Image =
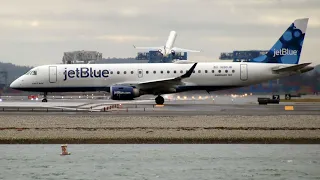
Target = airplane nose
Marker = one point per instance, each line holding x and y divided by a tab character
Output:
14	84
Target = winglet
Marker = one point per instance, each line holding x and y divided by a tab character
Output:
188	74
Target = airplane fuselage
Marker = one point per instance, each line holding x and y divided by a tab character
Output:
100	77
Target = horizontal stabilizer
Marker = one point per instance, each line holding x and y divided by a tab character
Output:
148	48
176	49
306	69
291	68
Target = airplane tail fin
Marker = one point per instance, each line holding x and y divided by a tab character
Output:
288	48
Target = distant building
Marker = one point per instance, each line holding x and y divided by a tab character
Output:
83	57
3	81
120	60
93	57
157	57
238	56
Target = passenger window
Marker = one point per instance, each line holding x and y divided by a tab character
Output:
154	72
118	72
161	72
111	72
233	71
205	71
199	71
174	71
181	71
131	72
125	72
212	71
219	71
226	71
168	72
147	72
193	71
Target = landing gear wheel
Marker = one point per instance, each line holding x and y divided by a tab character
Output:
159	100
45	97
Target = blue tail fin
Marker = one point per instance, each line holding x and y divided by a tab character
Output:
288	48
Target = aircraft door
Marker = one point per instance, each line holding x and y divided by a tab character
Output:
140	73
52	74
243	72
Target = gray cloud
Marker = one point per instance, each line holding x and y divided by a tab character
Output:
37	32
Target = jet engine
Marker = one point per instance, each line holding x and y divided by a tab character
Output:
173	52
124	92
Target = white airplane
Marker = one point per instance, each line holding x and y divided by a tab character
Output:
168	48
128	81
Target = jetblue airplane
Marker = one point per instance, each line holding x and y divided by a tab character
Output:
168	48
128	81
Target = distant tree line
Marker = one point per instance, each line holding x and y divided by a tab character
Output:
13	71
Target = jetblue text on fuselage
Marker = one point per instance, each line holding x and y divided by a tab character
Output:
284	51
84	72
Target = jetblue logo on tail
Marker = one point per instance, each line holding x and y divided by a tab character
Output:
284	51
288	48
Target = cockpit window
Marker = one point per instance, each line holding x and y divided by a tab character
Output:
31	73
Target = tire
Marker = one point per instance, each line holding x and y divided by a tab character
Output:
159	100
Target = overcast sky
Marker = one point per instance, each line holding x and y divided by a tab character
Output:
36	32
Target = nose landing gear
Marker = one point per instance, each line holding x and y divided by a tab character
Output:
45	97
159	100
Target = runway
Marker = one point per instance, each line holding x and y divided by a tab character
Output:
244	106
210	120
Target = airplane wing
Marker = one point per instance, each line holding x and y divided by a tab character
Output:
148	48
166	83
161	84
176	49
293	68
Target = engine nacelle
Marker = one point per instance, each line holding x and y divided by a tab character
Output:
123	92
173	52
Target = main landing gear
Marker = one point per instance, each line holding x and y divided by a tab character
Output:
45	97
159	100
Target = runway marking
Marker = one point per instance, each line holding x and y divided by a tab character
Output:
288	108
